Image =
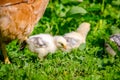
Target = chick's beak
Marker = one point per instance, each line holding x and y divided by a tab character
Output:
65	47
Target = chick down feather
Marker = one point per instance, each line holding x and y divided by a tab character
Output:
76	38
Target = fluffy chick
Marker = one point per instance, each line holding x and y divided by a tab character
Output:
115	38
60	42
42	44
75	38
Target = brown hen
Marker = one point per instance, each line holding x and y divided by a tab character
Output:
17	20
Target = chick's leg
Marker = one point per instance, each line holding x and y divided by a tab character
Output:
4	52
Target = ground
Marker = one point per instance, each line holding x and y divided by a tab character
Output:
88	62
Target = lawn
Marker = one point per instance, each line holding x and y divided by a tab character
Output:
88	62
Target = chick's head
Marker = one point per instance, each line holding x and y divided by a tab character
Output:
60	42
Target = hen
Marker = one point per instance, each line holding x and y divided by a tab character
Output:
17	20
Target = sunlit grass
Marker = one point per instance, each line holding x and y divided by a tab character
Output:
89	63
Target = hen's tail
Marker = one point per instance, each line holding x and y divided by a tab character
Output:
83	29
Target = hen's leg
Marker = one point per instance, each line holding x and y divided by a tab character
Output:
22	45
4	52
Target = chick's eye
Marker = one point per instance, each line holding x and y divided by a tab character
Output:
61	44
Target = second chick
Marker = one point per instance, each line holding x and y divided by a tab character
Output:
76	38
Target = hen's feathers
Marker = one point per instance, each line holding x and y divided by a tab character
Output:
17	20
13	2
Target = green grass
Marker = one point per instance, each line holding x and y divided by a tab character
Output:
89	63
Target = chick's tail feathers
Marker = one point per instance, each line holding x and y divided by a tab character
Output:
83	29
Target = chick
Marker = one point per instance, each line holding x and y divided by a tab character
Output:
42	44
75	38
116	38
60	42
109	50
